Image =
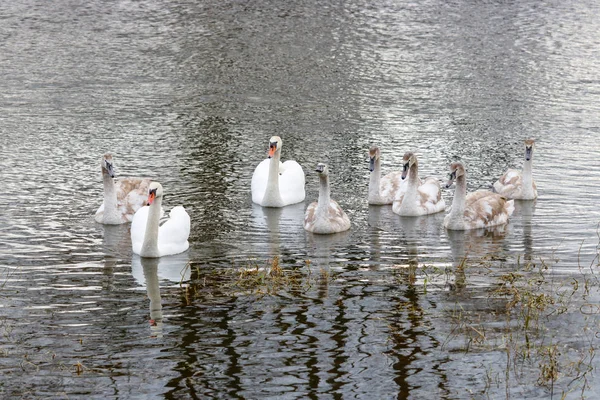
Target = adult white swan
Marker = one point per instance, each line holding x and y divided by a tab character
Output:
122	197
383	190
277	184
515	184
419	198
325	215
148	239
480	209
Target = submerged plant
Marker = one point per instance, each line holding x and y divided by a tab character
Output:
531	298
268	279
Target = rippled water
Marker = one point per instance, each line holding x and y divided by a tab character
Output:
188	93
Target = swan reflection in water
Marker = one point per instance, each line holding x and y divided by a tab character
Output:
114	240
480	243
421	241
400	240
115	247
327	251
281	228
149	272
525	210
475	244
384	226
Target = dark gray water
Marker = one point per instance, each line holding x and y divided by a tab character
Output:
189	93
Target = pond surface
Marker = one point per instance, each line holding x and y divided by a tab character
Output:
189	93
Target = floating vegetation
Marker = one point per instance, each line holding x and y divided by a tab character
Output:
533	302
268	279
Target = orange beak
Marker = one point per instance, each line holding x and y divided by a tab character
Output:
151	198
272	149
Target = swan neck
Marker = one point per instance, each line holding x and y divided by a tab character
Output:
411	189
111	212
110	193
460	196
324	195
272	194
413	176
527	172
150	245
375	180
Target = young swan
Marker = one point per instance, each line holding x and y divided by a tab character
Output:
325	215
383	190
516	184
479	209
122	197
419	198
149	238
277	184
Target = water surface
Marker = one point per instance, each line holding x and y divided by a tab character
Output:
189	95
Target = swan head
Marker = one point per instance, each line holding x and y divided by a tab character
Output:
529	144
274	145
322	169
107	165
456	170
408	161
373	156
154	190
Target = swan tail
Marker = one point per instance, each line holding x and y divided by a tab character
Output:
292	182
173	235
510	207
99	213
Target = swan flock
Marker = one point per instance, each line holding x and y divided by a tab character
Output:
278	184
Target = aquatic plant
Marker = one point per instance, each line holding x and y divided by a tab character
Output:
253	278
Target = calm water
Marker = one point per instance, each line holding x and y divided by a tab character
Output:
189	93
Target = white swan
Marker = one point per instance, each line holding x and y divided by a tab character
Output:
325	215
516	184
480	209
122	197
277	184
383	190
419	198
148	239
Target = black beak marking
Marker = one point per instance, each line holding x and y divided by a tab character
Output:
109	168
405	170
451	179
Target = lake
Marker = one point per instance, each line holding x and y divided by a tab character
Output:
189	93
